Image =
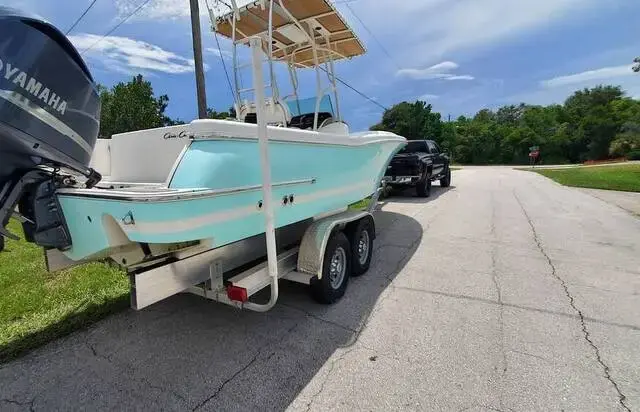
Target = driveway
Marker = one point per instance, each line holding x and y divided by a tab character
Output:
504	292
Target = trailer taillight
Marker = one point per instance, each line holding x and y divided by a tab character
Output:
237	293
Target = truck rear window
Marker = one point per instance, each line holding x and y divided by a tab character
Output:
413	147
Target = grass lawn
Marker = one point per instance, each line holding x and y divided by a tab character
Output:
361	205
622	177
37	306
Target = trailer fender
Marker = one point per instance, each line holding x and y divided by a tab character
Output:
314	241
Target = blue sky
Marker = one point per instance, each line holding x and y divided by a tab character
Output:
459	55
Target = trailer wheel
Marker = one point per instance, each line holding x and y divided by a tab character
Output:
361	236
1	243
336	269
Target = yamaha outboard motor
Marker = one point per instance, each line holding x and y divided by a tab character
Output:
49	122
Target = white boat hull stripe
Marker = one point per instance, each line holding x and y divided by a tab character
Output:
183	225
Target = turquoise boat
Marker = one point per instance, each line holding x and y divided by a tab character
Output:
214	194
180	190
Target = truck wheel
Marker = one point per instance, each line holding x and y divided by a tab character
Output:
446	180
361	237
336	269
423	189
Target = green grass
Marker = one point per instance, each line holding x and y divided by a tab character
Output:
621	177
361	205
37	306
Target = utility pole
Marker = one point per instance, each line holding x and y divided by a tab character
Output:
197	58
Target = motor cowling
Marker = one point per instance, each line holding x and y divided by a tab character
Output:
49	109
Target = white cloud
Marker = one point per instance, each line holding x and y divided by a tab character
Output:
158	9
427	97
558	92
437	71
126	55
171	9
432	29
461	77
604	73
444	66
223	54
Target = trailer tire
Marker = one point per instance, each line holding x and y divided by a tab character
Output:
1	243
361	236
336	269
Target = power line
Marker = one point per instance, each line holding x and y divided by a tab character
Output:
362	94
116	26
224	65
372	35
357	91
81	16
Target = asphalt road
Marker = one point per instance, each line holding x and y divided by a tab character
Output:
504	292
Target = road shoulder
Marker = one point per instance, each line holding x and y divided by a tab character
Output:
629	201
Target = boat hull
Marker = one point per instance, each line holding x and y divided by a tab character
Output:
218	194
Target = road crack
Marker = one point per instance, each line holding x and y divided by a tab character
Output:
229	379
585	331
496	284
316	317
240	371
19	403
531	355
326	378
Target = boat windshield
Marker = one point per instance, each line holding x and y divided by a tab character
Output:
304	106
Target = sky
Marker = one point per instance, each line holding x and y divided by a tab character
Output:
458	55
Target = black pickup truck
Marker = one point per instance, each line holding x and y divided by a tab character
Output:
418	164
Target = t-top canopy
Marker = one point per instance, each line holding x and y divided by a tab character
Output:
289	41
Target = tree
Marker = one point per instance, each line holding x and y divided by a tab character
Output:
591	124
627	141
132	106
636	67
212	114
412	120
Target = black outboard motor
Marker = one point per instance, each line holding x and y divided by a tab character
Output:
49	122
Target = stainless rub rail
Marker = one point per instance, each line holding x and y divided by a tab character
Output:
170	195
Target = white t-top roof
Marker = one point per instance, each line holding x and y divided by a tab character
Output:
319	18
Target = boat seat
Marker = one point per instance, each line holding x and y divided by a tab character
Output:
305	121
251	118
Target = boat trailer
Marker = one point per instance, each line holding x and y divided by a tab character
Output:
233	273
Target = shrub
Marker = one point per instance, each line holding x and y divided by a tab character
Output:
634	155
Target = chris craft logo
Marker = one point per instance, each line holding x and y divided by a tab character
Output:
182	135
30	84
